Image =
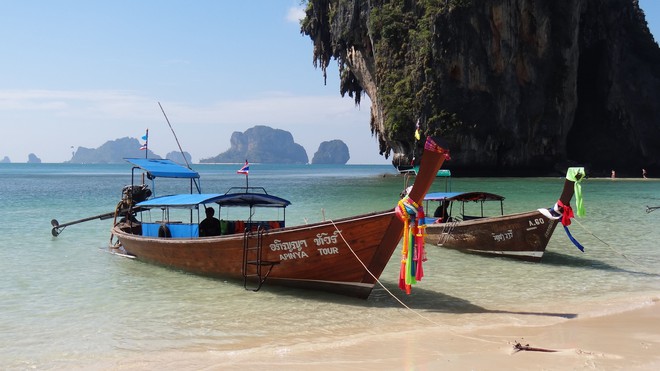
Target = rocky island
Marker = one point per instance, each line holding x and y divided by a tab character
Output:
332	152
262	144
113	151
517	87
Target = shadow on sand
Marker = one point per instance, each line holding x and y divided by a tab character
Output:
559	259
419	300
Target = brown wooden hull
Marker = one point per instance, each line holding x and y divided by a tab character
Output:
520	236
345	256
311	256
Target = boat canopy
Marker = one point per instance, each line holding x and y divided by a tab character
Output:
179	201
251	199
163	168
228	199
462	196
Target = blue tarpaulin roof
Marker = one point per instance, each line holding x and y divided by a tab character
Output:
163	168
182	200
231	199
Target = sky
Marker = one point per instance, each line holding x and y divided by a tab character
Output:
78	73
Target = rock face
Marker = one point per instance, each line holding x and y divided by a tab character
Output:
178	157
515	86
33	159
113	151
332	152
262	144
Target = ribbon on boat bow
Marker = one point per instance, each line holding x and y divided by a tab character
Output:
566	215
575	175
412	252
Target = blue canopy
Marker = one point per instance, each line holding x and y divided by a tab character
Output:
181	200
231	199
163	168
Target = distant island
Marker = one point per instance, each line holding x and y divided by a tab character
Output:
332	152
179	158
111	152
262	144
33	159
259	144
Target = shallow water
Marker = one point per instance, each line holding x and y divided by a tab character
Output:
66	303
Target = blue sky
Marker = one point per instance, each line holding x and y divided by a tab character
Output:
79	73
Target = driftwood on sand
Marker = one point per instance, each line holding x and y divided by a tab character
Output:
519	347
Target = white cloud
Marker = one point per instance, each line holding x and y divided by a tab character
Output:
58	119
295	14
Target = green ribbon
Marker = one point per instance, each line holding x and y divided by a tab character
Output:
575	175
410	277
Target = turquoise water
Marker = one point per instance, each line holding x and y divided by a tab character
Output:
66	303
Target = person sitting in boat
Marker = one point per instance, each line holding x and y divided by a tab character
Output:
441	212
210	226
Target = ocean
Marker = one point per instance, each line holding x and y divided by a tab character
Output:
65	303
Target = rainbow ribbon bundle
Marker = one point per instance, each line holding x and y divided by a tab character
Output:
412	253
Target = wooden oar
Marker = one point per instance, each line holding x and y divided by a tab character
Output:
57	227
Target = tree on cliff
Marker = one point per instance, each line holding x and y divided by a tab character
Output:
516	86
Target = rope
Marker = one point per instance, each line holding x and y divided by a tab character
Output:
396	298
376	278
608	245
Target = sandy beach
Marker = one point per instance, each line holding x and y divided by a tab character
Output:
79	308
627	340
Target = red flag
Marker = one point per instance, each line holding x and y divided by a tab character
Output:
245	169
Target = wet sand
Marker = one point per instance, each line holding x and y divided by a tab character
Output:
627	340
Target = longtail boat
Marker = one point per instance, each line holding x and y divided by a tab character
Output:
523	236
344	256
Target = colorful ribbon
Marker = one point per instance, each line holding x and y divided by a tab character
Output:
412	252
575	175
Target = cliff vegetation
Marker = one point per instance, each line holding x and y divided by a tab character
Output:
516	86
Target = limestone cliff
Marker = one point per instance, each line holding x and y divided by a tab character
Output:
262	144
179	158
112	151
516	86
332	152
33	159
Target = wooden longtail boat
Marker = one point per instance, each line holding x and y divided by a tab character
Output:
521	236
344	256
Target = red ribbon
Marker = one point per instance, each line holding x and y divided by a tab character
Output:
566	214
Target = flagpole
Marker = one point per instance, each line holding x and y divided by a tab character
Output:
245	170
146	145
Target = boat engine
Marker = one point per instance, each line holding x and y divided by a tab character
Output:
133	194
